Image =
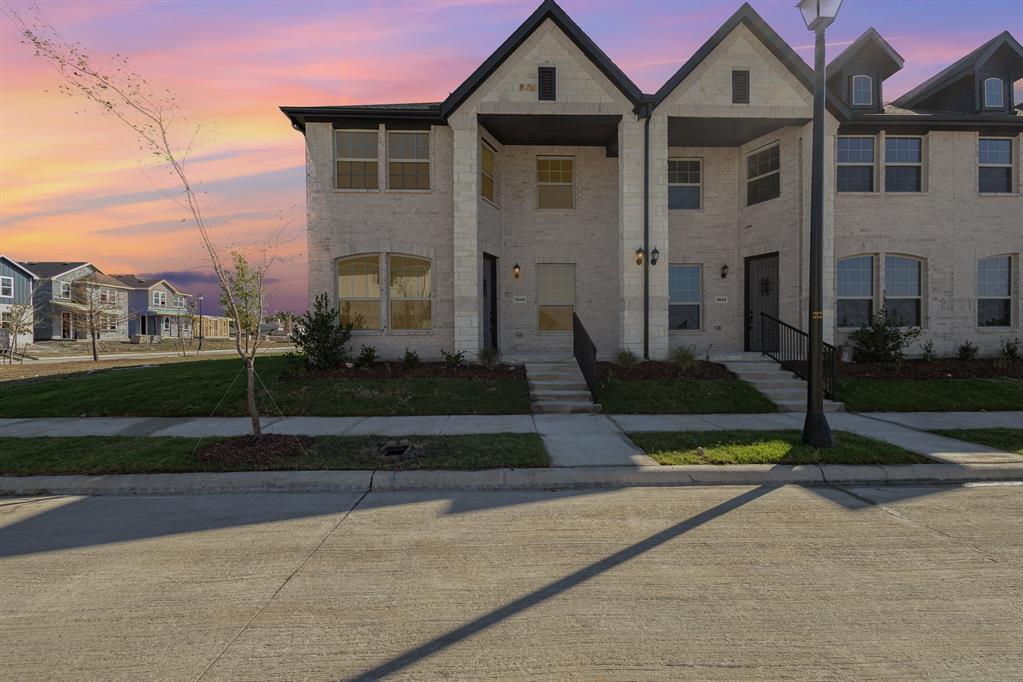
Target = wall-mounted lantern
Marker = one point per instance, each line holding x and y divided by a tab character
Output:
640	255
516	271
724	271
654	256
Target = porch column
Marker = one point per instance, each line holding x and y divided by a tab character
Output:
658	208
630	232
465	189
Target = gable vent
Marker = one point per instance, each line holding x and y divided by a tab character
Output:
740	87
547	80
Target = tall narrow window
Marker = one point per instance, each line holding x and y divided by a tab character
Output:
65	289
409	293
557	296
902	283
487	171
358	279
995	165
855	164
408	161
547	83
684	183
740	87
763	175
903	158
555	182
160	299
862	91
356	152
994	292
994	93
855	305
684	296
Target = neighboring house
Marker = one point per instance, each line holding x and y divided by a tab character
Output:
158	308
547	185
68	293
16	285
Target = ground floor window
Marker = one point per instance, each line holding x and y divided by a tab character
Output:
359	291
684	296
407	286
166	324
409	290
556	296
994	292
855	285
110	323
903	280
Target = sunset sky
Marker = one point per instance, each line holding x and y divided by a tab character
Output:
73	186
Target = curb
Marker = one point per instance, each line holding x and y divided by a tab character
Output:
503	479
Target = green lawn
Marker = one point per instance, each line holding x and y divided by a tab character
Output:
703	396
931	395
120	455
767	447
1006	440
193	389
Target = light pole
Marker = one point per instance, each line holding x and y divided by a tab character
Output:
200	321
818	15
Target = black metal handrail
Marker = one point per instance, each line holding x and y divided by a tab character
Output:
789	347
585	354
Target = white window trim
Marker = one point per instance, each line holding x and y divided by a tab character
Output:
1001	93
536	172
920	164
6	283
338	157
870	91
1010	165
922	297
698	185
160	299
59	293
1010	297
749	179
874	266
872	164
110	323
396	159
699	298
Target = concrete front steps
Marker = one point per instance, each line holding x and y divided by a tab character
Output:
559	388
780	386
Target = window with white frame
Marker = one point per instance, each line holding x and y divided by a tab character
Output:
6	287
488	171
166	324
408	160
903	283
994	172
6	320
64	289
903	159
409	292
556	296
862	90
160	299
179	301
994	93
358	288
684	296
855	164
110	323
106	295
555	182
763	175
684	183
994	292
356	155
855	287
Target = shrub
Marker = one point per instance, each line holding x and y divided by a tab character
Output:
489	357
927	352
1010	351
453	360
367	356
967	351
883	340
683	356
410	359
321	337
625	358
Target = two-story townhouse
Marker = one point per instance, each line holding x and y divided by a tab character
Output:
158	308
16	285
548	190
70	293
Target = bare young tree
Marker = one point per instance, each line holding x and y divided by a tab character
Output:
153	117
16	320
98	310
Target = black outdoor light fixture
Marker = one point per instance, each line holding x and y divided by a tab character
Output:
516	271
654	256
724	271
640	255
818	15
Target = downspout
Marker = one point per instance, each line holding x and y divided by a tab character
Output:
646	232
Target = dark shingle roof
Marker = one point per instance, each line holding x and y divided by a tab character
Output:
135	282
870	36
100	278
47	269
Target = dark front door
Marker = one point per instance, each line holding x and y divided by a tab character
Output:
489	294
761	295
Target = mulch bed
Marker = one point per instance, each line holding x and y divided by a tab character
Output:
397	370
653	369
933	369
254	450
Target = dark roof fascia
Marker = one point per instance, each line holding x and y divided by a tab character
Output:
874	122
958	69
869	36
548	10
771	40
19	266
299	116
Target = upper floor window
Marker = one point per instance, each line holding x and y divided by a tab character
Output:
64	289
409	292
855	164
179	301
763	175
555	182
855	304
160	298
740	87
6	287
994	292
684	295
556	296
903	278
994	172
358	286
408	157
862	91
684	183
903	158
356	153
994	93
487	171
547	83
106	295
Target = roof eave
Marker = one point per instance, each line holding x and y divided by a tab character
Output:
19	266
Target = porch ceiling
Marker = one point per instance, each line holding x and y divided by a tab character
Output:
589	130
685	131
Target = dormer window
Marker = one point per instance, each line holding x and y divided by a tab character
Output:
862	91
994	93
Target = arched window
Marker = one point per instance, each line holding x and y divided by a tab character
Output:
855	288
903	284
994	93
358	287
862	91
409	289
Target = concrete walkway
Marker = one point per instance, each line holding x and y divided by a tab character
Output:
142	355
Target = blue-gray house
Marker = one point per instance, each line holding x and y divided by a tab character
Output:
16	285
157	308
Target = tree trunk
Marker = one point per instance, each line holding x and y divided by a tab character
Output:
95	351
250	372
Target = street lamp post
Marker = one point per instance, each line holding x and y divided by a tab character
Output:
200	321
818	15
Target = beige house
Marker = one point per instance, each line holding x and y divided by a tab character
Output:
548	188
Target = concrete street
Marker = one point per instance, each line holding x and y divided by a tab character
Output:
642	583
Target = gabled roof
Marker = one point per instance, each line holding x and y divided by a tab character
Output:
136	282
961	68
19	266
100	278
51	269
548	10
870	37
772	41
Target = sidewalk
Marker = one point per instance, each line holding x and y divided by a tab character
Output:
142	355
